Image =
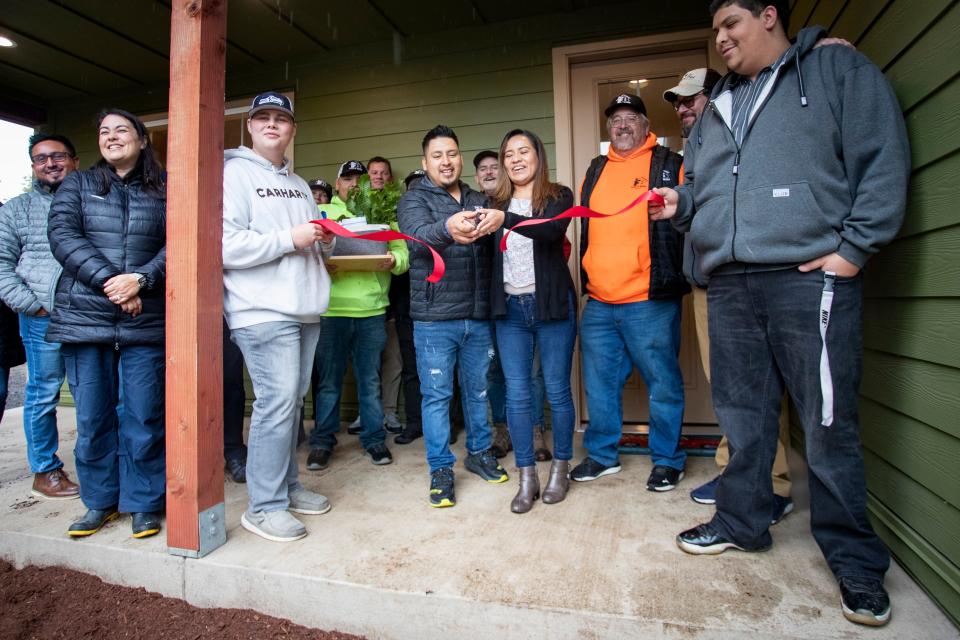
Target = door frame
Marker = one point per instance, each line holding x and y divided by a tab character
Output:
563	59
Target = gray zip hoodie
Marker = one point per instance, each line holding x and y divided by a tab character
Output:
823	167
265	278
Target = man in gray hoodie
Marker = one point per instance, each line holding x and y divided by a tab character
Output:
796	173
275	289
28	278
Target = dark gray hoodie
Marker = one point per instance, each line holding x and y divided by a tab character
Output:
823	167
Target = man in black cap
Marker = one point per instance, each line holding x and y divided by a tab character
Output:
321	190
631	269
487	165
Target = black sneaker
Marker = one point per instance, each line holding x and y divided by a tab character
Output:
441	488
781	507
864	601
410	433
236	468
318	459
664	478
379	454
485	465
704	540
355	427
590	469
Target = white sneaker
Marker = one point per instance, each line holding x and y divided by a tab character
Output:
307	502
278	526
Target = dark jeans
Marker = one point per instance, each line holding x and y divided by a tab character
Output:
363	341
764	336
408	375
120	460
517	336
234	399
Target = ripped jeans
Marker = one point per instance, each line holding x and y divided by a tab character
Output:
442	346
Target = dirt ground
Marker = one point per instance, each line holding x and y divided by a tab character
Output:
53	603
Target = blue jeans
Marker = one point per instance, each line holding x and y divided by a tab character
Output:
363	341
121	460
443	346
764	336
614	338
45	375
497	387
518	336
279	357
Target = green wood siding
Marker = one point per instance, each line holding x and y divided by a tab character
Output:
910	398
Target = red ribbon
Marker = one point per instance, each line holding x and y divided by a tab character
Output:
580	211
439	268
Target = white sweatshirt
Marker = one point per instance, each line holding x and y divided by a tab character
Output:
265	278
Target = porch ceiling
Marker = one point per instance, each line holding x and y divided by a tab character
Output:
74	49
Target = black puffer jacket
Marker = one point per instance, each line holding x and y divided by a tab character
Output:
464	292
96	237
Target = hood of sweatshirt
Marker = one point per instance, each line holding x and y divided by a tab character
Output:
648	144
246	153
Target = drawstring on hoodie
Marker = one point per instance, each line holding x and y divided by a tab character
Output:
803	94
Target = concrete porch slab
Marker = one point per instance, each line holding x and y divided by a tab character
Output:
383	564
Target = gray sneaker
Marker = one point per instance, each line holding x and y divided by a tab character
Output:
278	526
307	502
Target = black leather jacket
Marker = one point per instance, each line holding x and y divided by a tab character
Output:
96	237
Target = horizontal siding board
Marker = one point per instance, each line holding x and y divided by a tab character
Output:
918	328
932	199
934	125
899	25
856	17
800	14
825	13
923	265
927	455
935	520
422	118
929	62
317	81
922	390
516	83
481	136
936	574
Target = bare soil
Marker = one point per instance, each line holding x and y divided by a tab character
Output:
52	603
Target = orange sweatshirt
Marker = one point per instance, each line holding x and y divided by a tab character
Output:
617	260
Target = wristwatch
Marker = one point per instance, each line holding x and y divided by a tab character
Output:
141	280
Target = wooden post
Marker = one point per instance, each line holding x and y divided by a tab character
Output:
195	513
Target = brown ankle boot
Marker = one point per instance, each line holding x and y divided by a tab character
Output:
55	485
540	450
501	440
558	483
528	492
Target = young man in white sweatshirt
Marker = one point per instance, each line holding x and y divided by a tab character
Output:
275	288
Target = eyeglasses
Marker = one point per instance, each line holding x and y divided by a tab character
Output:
621	120
687	102
57	156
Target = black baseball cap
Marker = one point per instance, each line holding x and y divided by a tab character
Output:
323	185
351	166
416	174
271	100
483	155
626	100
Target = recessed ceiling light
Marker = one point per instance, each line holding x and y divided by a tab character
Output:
7	42
640	84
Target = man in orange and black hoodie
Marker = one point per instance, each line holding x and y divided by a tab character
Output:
632	270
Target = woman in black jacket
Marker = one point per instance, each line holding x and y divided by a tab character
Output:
532	302
108	230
